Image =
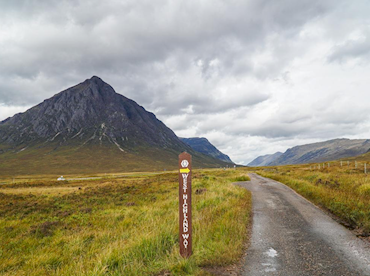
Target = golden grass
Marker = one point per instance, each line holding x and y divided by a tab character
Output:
120	226
55	191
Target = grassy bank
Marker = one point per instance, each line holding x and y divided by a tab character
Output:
343	190
126	226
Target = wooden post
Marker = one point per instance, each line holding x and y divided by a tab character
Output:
185	223
365	168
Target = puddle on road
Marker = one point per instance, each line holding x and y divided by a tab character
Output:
270	265
271	253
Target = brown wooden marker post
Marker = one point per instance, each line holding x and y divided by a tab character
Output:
185	230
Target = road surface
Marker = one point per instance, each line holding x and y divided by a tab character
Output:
292	237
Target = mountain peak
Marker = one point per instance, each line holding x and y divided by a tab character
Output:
96	80
94	87
83	109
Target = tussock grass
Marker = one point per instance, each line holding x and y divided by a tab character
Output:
121	226
344	191
242	178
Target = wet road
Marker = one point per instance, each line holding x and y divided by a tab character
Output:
292	237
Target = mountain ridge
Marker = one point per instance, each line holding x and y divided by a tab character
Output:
322	151
264	160
202	145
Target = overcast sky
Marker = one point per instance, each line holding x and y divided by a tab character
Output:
254	77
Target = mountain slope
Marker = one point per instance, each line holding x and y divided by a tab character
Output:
265	159
202	145
89	128
323	151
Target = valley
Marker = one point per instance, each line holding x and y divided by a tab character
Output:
126	223
184	138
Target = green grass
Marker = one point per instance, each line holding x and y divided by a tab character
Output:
242	178
84	160
344	191
53	158
126	226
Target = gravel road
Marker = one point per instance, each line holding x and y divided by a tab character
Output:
292	237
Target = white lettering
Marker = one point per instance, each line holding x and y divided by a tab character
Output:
185	209
186	243
185	184
185	224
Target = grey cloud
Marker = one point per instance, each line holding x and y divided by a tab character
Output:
350	50
338	118
208	104
269	130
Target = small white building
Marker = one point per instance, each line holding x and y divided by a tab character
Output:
61	178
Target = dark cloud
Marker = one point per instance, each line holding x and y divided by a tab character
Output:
57	38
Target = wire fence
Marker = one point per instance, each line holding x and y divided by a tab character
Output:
352	165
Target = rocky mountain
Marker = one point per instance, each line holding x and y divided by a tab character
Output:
264	160
89	127
323	151
202	145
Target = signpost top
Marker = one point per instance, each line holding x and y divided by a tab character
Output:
185	155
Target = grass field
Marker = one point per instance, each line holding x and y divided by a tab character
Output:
126	225
343	190
54	159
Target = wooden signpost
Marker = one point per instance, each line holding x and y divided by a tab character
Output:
185	230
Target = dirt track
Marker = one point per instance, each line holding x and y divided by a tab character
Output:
292	237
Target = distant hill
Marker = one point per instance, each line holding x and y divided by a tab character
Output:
363	157
89	128
323	151
202	145
264	160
